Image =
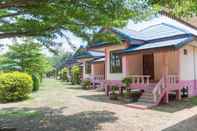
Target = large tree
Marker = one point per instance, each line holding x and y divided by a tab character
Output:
81	17
179	8
47	18
26	57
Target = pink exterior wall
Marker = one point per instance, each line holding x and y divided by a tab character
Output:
134	64
190	84
162	60
98	68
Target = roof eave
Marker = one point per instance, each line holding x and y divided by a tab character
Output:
181	44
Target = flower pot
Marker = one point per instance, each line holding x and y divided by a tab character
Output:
113	96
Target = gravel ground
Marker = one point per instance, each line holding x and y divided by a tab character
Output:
62	107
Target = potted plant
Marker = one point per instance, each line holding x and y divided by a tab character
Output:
135	95
113	94
127	81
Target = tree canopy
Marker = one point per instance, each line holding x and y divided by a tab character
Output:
48	18
26	57
179	8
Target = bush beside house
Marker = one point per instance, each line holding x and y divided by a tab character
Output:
15	86
75	74
64	74
130	94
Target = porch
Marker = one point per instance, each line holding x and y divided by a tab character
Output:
98	73
151	66
156	73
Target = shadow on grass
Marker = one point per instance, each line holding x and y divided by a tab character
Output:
185	125
175	106
47	119
102	98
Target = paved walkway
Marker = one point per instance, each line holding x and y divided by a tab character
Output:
61	107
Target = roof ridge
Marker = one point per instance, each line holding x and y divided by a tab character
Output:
164	13
179	36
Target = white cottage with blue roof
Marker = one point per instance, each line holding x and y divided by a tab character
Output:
160	59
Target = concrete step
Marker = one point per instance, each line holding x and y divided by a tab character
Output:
146	100
147	97
147	93
148	90
141	105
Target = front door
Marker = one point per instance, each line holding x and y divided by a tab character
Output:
148	65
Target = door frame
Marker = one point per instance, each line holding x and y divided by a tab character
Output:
152	64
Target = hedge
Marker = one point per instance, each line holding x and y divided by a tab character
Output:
15	86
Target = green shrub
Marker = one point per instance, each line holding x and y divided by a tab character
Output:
15	86
127	81
36	82
86	84
113	94
128	93
40	76
59	75
75	74
135	95
64	74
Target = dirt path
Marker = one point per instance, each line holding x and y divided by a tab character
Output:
61	107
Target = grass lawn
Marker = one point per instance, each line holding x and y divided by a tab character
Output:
58	106
175	106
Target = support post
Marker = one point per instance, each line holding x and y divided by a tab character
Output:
178	94
166	98
165	72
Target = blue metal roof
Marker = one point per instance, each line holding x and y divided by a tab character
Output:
154	32
178	42
96	54
153	36
121	35
99	60
84	53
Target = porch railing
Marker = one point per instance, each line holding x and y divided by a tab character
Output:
98	77
158	90
140	79
172	79
166	82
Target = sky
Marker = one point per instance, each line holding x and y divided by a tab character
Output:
158	20
77	42
131	25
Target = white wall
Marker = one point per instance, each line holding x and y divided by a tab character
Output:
85	76
113	76
188	63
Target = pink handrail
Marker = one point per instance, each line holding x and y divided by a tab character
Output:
158	90
166	82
